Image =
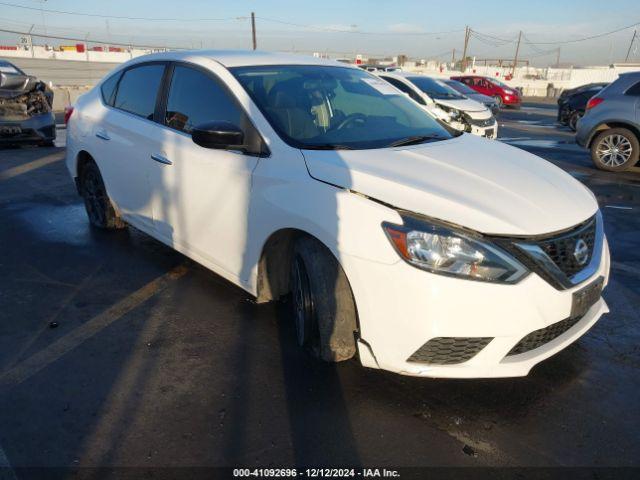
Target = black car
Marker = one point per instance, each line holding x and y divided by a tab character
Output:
572	103
26	114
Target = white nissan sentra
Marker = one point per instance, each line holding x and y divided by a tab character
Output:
418	249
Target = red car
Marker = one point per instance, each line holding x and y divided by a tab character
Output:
503	94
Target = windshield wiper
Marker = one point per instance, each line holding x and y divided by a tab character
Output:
414	140
326	146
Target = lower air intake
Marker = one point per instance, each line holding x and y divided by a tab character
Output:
544	335
449	350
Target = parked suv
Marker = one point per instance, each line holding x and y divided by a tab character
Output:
610	127
503	94
422	251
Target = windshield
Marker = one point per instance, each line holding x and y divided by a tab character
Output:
6	67
330	107
435	89
461	87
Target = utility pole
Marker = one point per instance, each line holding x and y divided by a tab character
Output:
253	30
467	32
558	58
515	59
635	34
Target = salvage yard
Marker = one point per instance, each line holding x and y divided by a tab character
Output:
118	351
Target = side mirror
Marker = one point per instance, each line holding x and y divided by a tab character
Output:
220	135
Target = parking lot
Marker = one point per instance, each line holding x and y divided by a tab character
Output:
117	351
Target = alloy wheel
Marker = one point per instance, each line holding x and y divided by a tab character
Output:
614	150
94	198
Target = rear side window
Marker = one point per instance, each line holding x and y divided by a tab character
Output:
196	98
108	89
138	90
634	90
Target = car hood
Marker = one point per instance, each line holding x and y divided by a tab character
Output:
463	104
480	184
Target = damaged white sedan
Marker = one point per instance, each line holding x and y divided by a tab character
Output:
418	250
26	115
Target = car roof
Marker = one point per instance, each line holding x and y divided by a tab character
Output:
241	58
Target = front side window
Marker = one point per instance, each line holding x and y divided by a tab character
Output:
138	90
196	98
328	107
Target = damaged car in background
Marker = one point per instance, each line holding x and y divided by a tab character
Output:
26	114
446	104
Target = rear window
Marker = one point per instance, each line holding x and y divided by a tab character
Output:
138	90
108	88
634	90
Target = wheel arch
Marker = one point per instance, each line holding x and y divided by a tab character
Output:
274	264
82	158
612	124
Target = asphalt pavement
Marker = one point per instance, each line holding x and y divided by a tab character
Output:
117	351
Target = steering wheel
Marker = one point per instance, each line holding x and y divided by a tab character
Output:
352	119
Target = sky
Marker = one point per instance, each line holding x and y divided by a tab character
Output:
421	29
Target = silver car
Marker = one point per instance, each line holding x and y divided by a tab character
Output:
610	127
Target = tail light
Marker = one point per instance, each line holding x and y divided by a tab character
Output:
594	102
68	111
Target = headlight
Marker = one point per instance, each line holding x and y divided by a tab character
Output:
443	250
453	113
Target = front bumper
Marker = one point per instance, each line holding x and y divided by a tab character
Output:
401	308
477	127
36	129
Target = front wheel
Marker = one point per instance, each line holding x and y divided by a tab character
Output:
96	201
615	150
498	100
323	308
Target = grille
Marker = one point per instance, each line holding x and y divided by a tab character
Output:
481	123
561	249
544	335
449	350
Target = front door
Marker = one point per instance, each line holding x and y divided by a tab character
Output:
201	195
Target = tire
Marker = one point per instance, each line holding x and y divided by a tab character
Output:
323	309
498	100
47	143
96	201
573	120
615	150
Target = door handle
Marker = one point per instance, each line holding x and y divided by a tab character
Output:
103	135
161	159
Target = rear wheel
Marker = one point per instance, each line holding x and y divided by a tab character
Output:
96	201
498	100
615	150
323	309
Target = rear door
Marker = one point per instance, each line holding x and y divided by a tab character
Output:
124	139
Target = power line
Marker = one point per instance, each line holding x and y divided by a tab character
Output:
119	17
106	42
587	38
357	32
